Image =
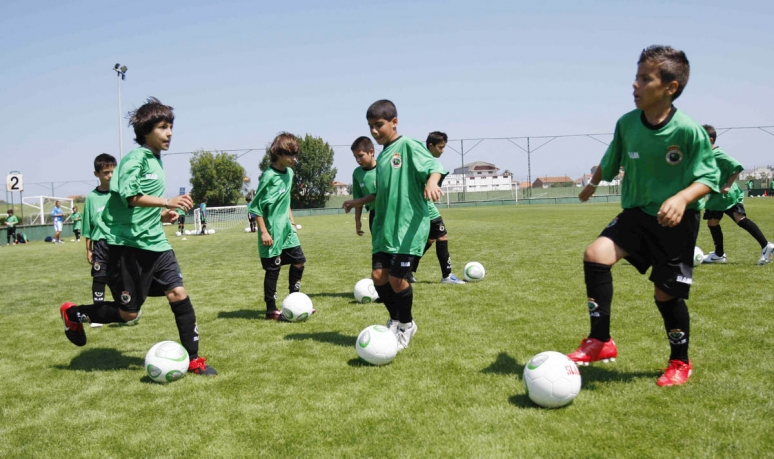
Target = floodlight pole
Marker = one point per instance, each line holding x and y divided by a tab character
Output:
120	75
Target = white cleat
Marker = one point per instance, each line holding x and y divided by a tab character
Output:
712	258
392	325
766	254
405	334
452	279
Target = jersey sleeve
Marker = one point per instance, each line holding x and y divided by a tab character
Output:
425	163
261	199
611	161
702	167
728	165
357	193
129	175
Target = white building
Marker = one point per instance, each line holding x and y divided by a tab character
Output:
459	182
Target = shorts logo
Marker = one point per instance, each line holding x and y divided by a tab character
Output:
613	222
592	305
684	280
277	261
126	297
441	228
97	267
405	264
674	156
396	161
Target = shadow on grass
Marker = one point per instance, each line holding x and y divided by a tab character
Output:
504	365
596	375
332	295
325	337
357	363
102	360
243	314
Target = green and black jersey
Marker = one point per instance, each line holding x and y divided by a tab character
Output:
92	213
140	172
272	203
728	166
364	183
77	220
659	161
401	221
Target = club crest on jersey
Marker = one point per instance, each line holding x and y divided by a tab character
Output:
126	297
674	156
396	161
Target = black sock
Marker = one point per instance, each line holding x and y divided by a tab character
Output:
98	290
185	318
750	226
677	322
599	290
294	283
442	251
403	302
717	238
105	312
270	289
387	294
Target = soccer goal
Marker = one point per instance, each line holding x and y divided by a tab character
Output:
222	218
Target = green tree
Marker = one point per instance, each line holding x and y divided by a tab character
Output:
314	173
218	177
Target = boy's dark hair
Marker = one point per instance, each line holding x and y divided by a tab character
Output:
285	144
436	137
145	118
711	132
382	110
102	161
10	212
362	143
673	65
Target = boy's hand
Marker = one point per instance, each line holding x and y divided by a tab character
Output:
671	212
359	228
266	239
169	216
725	189
433	192
181	202
347	206
586	193
89	256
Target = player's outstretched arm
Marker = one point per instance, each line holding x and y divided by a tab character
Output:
352	203
589	189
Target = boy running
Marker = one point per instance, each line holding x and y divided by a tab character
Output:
669	166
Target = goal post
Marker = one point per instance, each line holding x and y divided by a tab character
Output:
222	218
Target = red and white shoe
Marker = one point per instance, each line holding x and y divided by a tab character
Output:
676	374
594	350
73	330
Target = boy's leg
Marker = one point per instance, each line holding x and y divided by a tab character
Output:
404	298
380	269
272	267
767	248
677	323
296	259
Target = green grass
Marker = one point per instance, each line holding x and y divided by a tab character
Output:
298	390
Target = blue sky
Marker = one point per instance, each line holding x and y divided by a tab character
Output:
238	73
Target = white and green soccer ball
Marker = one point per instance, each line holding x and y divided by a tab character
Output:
166	361
210	231
376	345
473	271
551	379
297	307
178	233
365	292
698	256
187	232
247	230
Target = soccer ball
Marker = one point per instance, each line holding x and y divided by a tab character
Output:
365	292
166	361
187	232
698	256
178	233
297	307
474	271
247	230
210	231
552	379
376	345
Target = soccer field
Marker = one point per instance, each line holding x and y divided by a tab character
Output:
298	389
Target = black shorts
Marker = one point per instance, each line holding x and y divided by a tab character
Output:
181	219
250	217
437	229
11	231
718	214
100	255
136	274
291	256
399	264
668	250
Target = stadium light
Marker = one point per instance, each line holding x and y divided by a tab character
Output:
121	74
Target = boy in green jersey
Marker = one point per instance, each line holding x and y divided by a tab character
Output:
406	176
77	220
96	245
669	166
10	227
436	142
203	215
363	179
278	244
141	261
729	201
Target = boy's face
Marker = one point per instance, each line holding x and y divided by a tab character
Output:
649	90
104	175
159	138
383	131
364	158
287	160
437	149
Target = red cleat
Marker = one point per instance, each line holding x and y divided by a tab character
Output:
676	374
73	330
594	350
199	366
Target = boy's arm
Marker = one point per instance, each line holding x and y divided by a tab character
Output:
671	212
88	250
265	236
292	220
348	205
178	202
358	224
433	192
589	189
729	183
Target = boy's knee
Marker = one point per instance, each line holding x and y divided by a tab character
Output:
127	316
380	276
661	295
176	294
